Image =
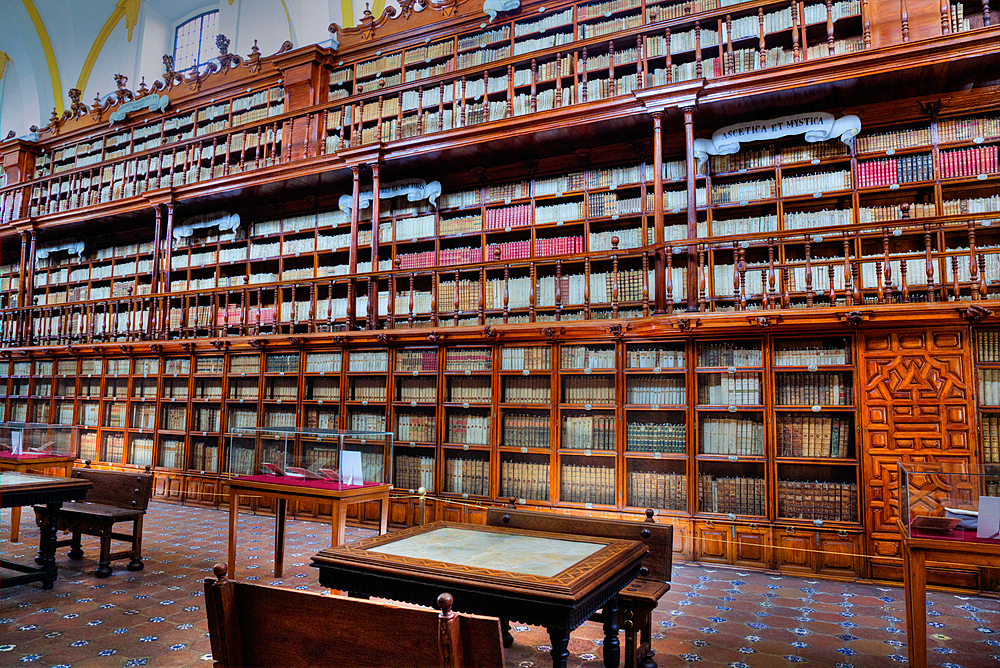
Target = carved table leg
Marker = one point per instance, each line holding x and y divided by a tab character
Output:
47	546
559	638
104	563
508	639
75	548
612	646
279	537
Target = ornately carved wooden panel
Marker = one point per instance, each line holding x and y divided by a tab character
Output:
917	406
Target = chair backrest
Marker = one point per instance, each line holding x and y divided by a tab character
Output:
122	489
258	625
659	538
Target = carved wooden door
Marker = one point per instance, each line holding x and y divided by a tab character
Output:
917	403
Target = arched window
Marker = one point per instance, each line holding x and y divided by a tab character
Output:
194	41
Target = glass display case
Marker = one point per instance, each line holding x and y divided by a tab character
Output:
325	457
24	442
946	502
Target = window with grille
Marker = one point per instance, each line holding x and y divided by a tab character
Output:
194	41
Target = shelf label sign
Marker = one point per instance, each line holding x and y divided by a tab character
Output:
414	190
816	126
151	102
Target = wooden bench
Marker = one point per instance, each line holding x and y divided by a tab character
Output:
638	600
117	496
259	625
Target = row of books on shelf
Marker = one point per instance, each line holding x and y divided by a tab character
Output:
587	484
467	476
171	453
729	354
204	456
656	437
469	429
732	436
413	472
729	389
588	432
969	162
819	388
589	390
470	359
530	390
889	171
365	421
524	480
583	357
415	427
141	451
814	436
649	489
368	389
831	501
739	495
416	360
320	418
526	430
655	390
421	390
991	439
817	353
472	390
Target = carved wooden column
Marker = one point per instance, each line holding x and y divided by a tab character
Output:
658	234
30	269
156	249
373	297
23	271
352	262
168	247
692	206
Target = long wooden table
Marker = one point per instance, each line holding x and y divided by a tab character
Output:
284	489
955	547
552	580
29	462
25	489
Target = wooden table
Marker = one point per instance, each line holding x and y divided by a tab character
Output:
552	580
25	489
32	462
919	548
284	489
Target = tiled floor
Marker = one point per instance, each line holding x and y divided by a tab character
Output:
714	617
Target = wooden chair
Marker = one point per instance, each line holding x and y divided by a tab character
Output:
258	625
638	600
117	496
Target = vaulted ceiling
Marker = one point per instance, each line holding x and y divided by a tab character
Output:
48	47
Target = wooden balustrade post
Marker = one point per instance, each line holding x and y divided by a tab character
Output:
982	276
30	267
904	289
785	299
435	288
945	17
352	261
614	277
559	289
973	264
701	277
457	303
736	275
376	214
856	295
829	28
22	276
409	317
669	64
534	85
641	62
761	32
583	77
888	266
771	297
809	273
730	65
441	107
559	80
698	71
482	295
928	263
956	285
586	288
866	22
880	288
904	21
986	13
658	230
669	282
830	273
743	278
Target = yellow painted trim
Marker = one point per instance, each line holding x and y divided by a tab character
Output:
289	19
377	8
347	13
50	56
98	45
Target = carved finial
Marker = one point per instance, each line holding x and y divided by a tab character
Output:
222	44
649	516
445	601
142	90
77	108
220	571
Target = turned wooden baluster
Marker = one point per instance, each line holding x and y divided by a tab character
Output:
645	282
904	21
559	289
856	295
614	277
982	276
288	140
736	275
829	27
731	64
225	316
785	299
456	304
277	309
761	32
399	117
559	80
701	277
435	286
534	85
743	279
880	292
866	19
669	282
945	17
809	274
973	264
904	289
796	53
441	107
888	265
928	263
669	64
509	109
312	307
640	56
531	292
482	295
583	75
956	285
586	288
506	291
611	68
769	296
329	305
986	12
848	274
697	50
833	292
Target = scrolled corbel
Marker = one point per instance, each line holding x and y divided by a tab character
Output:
976	314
